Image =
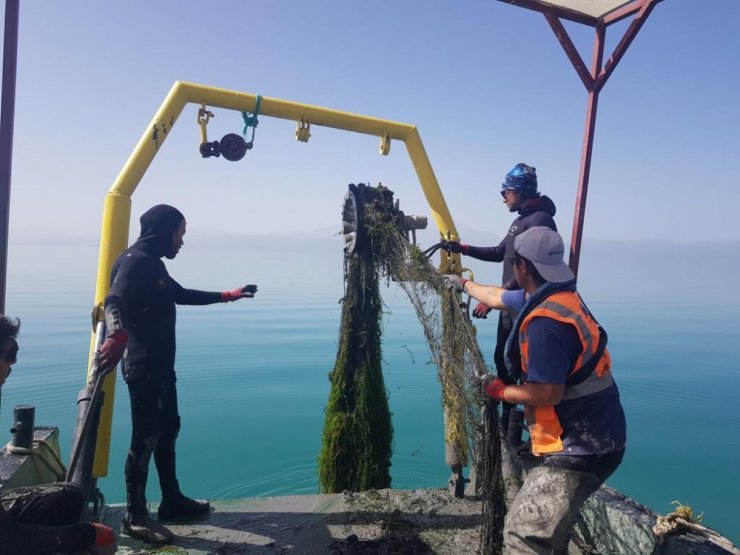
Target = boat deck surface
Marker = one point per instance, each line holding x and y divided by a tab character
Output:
383	521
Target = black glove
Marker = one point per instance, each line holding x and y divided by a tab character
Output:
454	246
246	292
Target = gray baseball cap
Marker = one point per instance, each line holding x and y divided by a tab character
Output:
544	248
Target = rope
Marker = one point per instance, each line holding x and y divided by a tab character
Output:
251	119
59	472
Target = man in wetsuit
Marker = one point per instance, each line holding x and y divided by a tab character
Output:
520	195
44	518
575	418
140	309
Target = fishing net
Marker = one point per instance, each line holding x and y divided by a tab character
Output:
357	438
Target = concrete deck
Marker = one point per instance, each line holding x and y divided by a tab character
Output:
386	521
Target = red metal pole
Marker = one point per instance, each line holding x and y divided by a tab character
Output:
7	119
588	144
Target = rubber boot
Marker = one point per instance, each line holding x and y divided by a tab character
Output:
181	507
174	504
146	529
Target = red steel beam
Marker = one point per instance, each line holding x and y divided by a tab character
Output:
646	9
587	150
570	50
625	11
594	80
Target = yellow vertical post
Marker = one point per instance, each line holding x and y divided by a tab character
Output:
114	239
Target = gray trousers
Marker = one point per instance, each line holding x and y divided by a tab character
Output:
541	518
543	513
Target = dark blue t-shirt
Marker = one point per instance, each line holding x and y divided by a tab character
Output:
592	425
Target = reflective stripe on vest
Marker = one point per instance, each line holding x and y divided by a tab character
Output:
566	307
592	384
545	429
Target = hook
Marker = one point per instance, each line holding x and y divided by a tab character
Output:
203	118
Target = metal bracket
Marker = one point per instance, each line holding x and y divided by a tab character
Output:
204	116
385	144
303	130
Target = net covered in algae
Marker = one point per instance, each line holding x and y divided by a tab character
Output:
358	432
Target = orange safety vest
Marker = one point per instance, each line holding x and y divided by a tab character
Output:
545	430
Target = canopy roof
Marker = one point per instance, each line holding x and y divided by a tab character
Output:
589	12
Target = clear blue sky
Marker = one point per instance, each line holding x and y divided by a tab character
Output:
486	83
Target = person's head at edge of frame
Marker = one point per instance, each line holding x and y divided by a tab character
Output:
162	230
539	257
9	328
519	186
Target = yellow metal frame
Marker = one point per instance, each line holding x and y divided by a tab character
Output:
117	206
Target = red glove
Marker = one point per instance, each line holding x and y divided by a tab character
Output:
481	311
494	388
454	246
105	539
247	291
112	349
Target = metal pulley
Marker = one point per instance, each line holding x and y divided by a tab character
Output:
233	147
351	218
353	213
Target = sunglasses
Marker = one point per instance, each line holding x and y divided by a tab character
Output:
11	354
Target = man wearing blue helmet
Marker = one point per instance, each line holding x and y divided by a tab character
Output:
520	195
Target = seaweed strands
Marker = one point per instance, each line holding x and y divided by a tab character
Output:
474	430
357	438
358	433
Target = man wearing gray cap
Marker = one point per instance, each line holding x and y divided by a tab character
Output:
575	419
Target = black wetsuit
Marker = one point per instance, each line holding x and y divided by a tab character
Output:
43	519
539	211
142	301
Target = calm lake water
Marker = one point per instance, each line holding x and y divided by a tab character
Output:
252	375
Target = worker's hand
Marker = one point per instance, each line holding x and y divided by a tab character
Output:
112	349
454	282
481	311
247	292
494	388
105	540
454	246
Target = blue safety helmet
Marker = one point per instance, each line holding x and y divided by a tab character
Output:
522	179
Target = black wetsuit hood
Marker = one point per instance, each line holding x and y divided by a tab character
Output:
157	227
541	203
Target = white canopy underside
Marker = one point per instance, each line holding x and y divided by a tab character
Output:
592	8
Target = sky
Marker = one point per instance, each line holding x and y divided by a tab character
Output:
486	83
